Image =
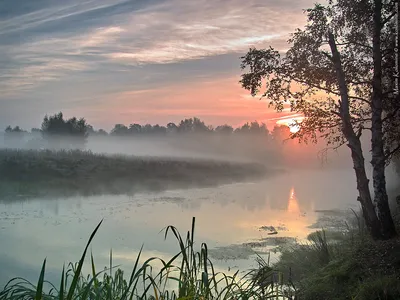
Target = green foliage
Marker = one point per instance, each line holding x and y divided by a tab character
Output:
189	274
345	266
380	288
320	246
346	278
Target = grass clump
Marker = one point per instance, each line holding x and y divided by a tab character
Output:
189	274
343	265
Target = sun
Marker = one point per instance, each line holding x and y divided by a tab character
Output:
292	123
293	128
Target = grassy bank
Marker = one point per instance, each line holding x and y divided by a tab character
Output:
345	264
30	173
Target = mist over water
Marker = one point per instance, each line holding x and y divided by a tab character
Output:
228	217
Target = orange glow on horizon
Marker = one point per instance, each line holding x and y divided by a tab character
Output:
216	102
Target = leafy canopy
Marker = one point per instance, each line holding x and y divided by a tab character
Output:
304	78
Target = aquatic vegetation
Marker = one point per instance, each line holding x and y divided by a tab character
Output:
189	274
30	173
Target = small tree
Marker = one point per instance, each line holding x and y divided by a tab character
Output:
224	129
61	133
337	75
136	128
13	136
172	128
194	125
101	132
120	130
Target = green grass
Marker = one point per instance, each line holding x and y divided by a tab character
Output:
343	265
189	274
328	266
33	173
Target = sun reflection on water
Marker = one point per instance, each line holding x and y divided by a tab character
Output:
293	205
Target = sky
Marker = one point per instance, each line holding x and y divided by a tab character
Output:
137	61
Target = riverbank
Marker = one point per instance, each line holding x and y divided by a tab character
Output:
45	173
344	264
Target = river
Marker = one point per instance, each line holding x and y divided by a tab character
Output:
57	229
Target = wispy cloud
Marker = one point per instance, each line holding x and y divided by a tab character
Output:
184	31
120	43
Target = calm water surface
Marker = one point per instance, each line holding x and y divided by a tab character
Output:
57	229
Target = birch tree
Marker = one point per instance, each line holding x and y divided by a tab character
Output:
338	74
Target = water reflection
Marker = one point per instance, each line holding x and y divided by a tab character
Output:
293	206
232	214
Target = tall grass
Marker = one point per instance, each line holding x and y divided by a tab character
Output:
343	264
189	274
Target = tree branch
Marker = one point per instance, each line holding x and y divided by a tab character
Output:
388	155
354	43
388	92
330	91
391	114
359	82
388	18
327	55
336	113
359	98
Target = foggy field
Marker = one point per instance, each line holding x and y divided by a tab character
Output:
31	173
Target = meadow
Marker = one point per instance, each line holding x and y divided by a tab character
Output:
45	173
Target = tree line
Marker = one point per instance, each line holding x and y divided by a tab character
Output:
58	127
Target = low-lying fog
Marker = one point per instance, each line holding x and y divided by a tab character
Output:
229	217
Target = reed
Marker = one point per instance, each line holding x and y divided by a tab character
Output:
189	274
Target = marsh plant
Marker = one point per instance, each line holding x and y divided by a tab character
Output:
189	274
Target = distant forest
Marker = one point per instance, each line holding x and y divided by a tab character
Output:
79	129
57	132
